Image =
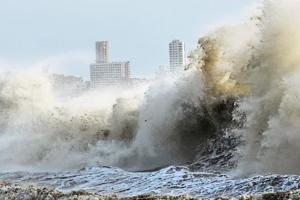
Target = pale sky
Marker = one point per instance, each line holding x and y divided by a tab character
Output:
61	33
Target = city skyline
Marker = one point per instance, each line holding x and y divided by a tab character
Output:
38	34
106	73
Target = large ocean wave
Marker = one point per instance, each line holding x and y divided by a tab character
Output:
236	108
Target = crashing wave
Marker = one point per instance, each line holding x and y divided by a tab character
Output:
235	107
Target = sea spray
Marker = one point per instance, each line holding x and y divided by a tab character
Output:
42	131
257	63
240	91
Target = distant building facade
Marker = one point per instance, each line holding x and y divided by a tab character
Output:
68	85
138	81
102	52
162	71
105	73
176	55
109	73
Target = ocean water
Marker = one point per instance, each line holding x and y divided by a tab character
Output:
168	181
226	126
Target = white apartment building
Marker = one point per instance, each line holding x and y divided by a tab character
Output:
176	55
104	73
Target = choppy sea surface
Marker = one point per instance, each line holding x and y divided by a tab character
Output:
168	181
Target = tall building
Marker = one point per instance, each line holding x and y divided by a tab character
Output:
177	55
102	52
104	73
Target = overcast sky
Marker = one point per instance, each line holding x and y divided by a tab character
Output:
60	34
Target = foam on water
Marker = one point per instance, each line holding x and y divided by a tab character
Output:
168	181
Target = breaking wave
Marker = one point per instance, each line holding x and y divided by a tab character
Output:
236	107
258	64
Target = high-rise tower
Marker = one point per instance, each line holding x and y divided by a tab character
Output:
102	52
177	55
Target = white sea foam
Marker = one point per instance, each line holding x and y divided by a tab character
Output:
257	64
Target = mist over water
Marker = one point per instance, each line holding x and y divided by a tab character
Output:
242	82
258	63
113	126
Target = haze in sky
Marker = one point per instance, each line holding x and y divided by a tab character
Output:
60	34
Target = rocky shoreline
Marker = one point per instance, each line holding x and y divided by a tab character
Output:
28	192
